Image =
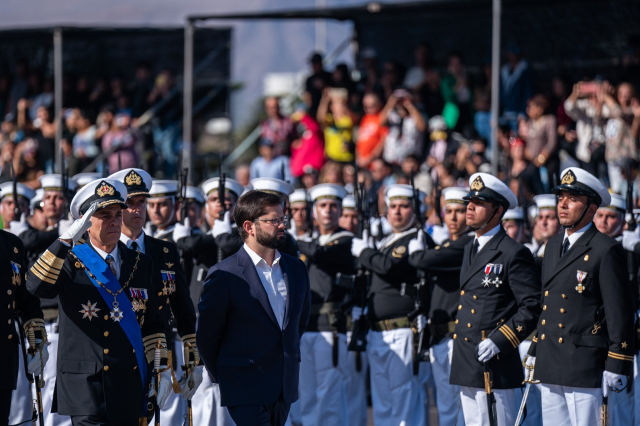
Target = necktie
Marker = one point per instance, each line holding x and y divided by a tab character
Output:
111	261
134	246
474	250
565	247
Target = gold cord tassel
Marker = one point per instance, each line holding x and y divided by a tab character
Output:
176	385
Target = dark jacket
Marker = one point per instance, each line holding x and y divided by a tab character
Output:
579	332
238	336
504	302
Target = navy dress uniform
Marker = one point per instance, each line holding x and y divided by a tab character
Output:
442	264
499	295
323	370
543	202
165	189
107	338
396	392
175	307
19	303
585	333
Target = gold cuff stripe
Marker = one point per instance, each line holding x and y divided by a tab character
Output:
620	356
52	260
154	337
42	277
510	335
45	273
48	268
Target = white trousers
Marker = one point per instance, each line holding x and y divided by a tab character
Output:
175	409
322	389
621	407
570	406
447	395
205	405
474	406
396	393
356	387
534	404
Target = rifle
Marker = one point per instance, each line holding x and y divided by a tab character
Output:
436	201
491	399
358	342
37	409
182	193
221	200
421	353
309	210
64	178
104	167
16	204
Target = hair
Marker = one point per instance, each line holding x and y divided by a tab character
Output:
251	206
540	101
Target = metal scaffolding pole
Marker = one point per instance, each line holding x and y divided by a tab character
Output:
57	74
187	93
495	85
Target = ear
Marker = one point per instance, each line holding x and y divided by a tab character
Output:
248	227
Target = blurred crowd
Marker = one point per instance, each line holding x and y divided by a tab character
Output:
99	115
432	121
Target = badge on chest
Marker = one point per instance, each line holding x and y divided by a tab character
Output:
496	270
581	276
139	297
168	282
15	268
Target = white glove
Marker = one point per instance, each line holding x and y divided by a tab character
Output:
33	361
164	389
181	231
196	375
422	323
611	380
222	226
356	313
17	228
630	239
417	244
439	234
293	229
64	225
358	245
381	224
487	350
80	226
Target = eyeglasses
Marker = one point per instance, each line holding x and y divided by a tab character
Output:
276	221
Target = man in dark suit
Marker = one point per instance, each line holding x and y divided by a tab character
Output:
585	338
499	295
253	311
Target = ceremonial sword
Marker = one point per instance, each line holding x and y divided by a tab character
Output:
491	399
528	379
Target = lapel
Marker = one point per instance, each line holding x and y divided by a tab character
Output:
489	252
257	290
5	254
127	266
575	252
285	273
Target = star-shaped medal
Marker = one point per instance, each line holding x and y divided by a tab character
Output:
519	328
486	281
497	282
116	314
89	310
624	345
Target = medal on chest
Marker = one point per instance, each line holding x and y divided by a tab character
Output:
496	269
168	282
89	310
139	297
581	276
15	268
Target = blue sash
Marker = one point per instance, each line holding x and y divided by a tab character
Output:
99	268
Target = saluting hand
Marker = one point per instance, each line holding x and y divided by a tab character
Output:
80	226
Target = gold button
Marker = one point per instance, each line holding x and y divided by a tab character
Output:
560	340
159	293
461	292
560	325
9	292
459	307
134	351
473	311
455	336
159	307
106	351
542	337
544	308
544	322
10	336
106	317
105	368
466	339
9	321
469	325
562	311
564	296
456	320
475	297
546	293
135	367
106	333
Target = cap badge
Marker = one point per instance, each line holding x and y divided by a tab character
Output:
133	178
477	184
569	178
105	189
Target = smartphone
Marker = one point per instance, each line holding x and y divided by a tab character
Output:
589	87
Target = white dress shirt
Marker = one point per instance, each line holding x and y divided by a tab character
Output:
272	280
116	258
128	241
577	234
484	239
